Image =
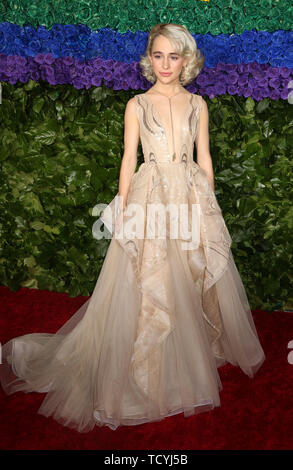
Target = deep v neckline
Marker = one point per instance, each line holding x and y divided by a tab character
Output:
157	110
162	122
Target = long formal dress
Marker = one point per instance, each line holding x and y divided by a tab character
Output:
166	311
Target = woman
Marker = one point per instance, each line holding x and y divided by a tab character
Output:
167	311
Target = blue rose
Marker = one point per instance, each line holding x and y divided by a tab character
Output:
33	47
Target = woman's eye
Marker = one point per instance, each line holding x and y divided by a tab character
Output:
158	57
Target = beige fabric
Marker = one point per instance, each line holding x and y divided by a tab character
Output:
162	319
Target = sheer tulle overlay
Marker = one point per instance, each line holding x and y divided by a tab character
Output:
165	313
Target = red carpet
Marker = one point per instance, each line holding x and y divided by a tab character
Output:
254	414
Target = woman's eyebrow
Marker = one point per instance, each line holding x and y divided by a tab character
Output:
170	53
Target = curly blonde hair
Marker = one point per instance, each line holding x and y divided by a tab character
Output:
184	45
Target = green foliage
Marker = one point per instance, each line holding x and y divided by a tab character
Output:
251	146
61	155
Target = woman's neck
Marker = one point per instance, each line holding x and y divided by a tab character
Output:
168	90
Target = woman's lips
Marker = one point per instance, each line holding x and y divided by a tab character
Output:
165	74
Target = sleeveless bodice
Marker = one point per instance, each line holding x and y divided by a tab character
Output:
168	126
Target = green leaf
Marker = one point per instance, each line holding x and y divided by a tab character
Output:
31	202
38	104
47	137
249	104
37	225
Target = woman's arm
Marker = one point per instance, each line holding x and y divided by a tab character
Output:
129	159
202	141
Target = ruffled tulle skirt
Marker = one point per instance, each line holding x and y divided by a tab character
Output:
160	322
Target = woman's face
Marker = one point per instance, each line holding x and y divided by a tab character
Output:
166	63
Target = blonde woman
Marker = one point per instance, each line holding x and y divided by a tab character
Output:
169	307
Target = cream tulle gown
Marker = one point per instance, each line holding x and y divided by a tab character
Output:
148	342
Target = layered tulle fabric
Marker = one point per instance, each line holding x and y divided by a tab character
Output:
165	314
148	342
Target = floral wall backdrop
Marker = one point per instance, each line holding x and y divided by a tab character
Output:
67	70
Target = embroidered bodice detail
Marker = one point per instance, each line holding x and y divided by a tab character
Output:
168	126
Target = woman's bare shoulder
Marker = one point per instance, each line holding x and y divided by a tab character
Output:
132	101
131	109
